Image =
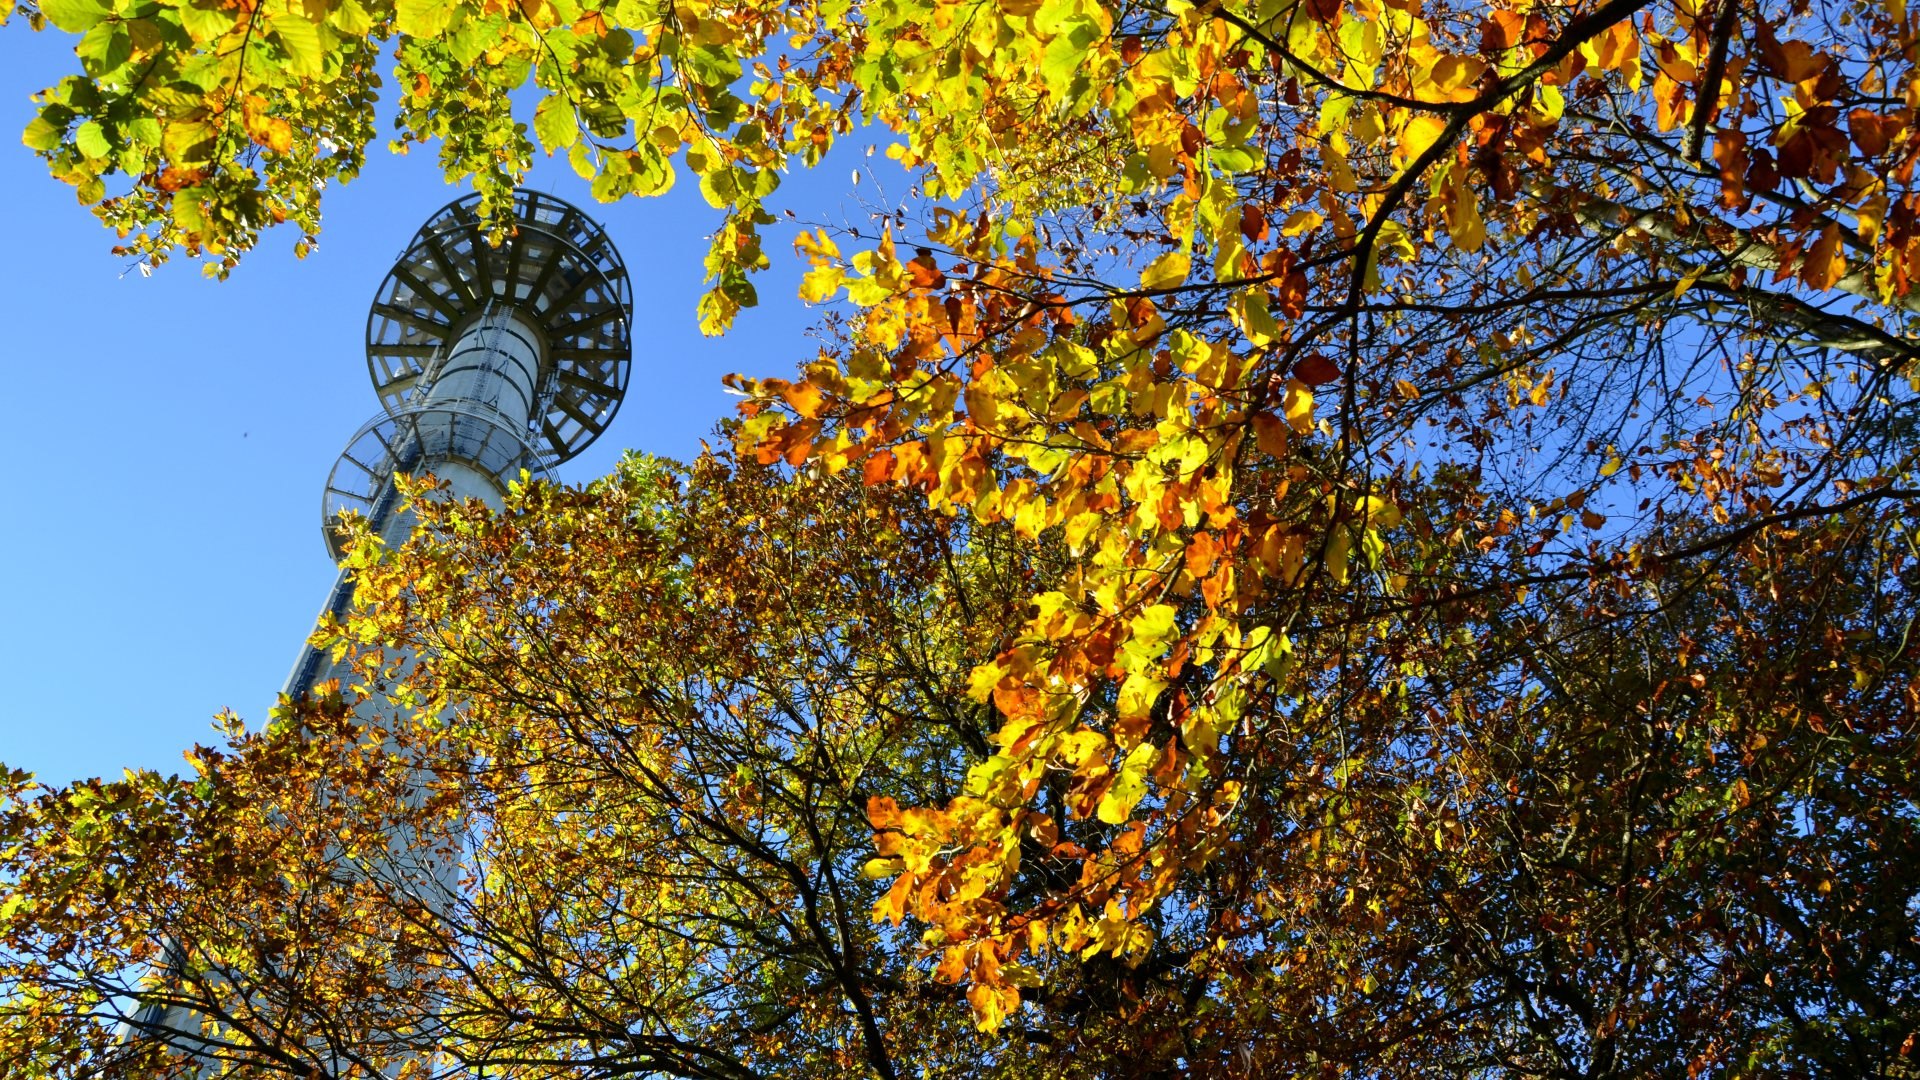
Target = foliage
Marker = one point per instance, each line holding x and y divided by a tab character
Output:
1442	474
642	841
638	844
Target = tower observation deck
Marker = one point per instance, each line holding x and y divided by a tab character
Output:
487	361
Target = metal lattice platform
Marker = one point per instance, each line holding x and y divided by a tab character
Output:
558	269
398	442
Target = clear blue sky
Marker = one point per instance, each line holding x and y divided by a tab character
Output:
167	437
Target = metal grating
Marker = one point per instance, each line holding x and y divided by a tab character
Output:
558	269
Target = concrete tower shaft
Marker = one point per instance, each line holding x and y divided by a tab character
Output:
496	361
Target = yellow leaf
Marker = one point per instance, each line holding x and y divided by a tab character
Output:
1339	548
992	1004
817	246
820	283
1376	510
1166	271
982	404
1464	225
422	18
1137	694
1301	221
1155	624
1339	173
1366	127
883	867
1420	133
1298	406
1129	785
1452	73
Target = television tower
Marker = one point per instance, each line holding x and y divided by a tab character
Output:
487	360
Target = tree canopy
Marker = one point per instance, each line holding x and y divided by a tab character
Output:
1326	537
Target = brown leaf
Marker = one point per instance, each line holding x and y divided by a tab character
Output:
1871	132
1253	223
1316	370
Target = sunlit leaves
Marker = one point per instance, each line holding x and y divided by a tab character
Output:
75	16
1366	367
423	18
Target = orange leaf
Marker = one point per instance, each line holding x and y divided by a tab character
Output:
1871	132
883	812
799	440
1253	223
1270	433
1825	264
893	906
1501	31
804	397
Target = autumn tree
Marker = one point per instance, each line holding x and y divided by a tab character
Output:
647	722
1469	446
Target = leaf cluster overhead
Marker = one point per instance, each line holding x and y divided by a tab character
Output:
1449	469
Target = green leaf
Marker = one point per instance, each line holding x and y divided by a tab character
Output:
655	176
554	122
92	140
1268	652
75	16
711	65
422	18
41	135
300	39
145	131
580	156
188	142
1065	54
205	23
721	187
203	72
1235	159
105	49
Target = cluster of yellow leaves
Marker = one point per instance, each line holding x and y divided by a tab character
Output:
1104	416
1125	443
